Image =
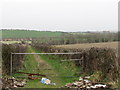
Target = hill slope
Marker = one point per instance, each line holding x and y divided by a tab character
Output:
29	34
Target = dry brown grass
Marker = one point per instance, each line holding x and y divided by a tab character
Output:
113	45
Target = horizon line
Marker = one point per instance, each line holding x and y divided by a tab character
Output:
62	30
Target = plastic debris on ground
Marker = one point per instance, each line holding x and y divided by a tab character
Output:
47	81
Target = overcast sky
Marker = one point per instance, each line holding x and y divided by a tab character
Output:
62	15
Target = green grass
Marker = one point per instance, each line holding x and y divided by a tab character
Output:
59	70
29	64
63	69
28	34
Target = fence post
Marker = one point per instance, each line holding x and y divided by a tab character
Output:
11	65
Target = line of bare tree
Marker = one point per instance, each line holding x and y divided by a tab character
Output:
78	38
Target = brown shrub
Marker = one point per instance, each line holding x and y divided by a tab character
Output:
7	49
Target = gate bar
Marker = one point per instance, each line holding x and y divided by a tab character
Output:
47	53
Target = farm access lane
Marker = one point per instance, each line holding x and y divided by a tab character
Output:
42	65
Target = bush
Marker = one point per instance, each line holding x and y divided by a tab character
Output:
7	49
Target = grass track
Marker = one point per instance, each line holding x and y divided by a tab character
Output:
55	75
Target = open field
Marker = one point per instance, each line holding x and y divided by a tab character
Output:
28	34
113	45
58	38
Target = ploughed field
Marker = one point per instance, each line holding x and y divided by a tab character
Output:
113	45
